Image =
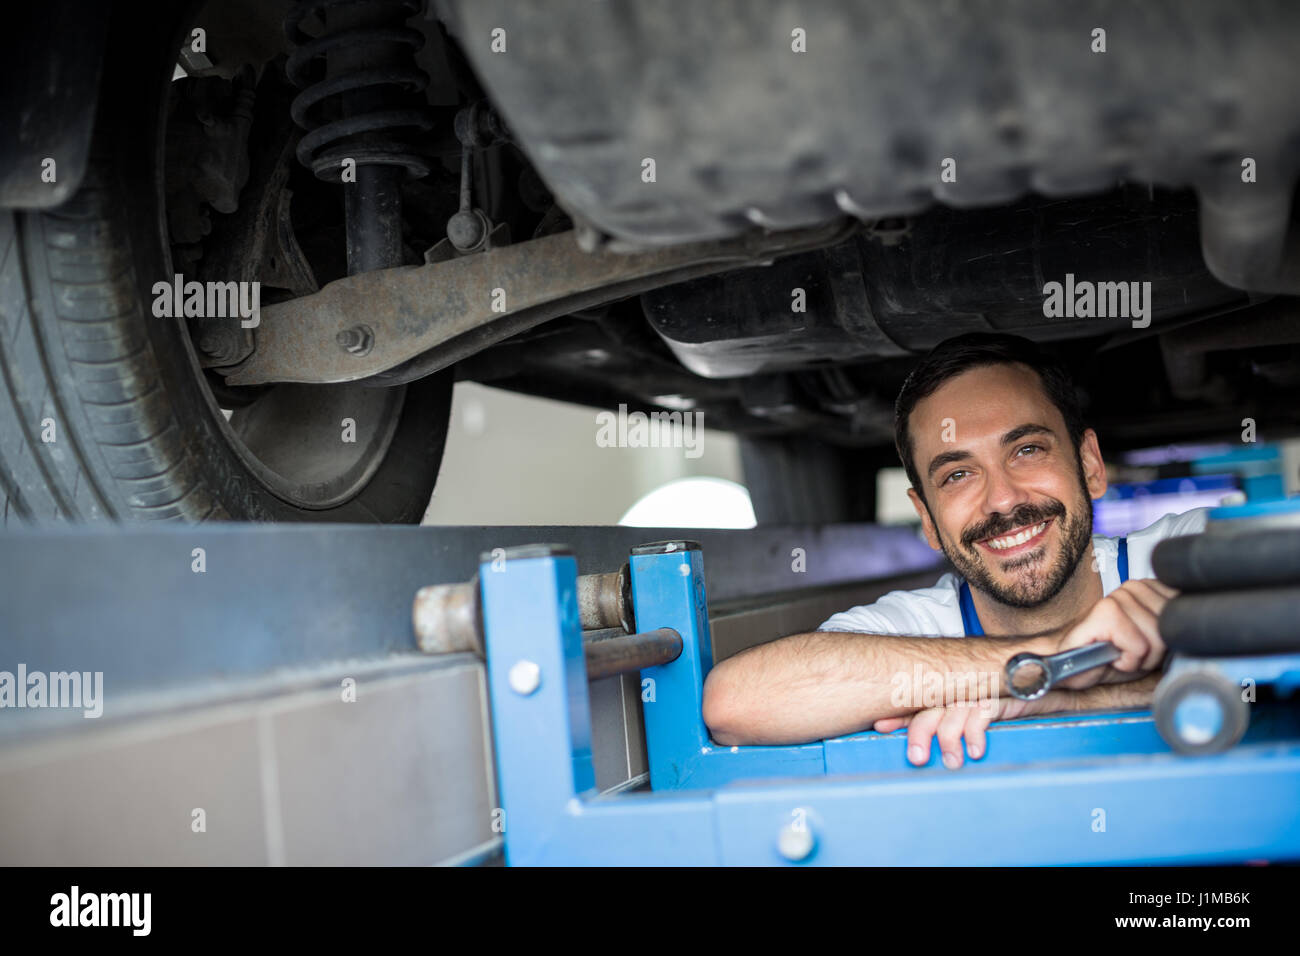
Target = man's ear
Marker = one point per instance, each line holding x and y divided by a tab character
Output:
927	525
1094	469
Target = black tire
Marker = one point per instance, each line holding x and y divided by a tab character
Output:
137	434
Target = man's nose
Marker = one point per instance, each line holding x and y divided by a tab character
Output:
1001	493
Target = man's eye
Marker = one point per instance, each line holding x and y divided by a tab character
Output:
949	479
1030	447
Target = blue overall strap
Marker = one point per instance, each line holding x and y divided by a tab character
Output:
970	619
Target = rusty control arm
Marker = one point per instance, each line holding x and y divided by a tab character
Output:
447	619
366	324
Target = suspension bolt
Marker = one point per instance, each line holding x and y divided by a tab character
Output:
357	340
468	230
218	344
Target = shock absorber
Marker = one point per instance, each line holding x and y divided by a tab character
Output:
362	100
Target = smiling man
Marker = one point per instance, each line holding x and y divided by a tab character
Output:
1003	472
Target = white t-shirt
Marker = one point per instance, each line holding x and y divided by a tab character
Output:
936	611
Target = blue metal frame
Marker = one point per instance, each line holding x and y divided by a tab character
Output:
1282	671
1049	790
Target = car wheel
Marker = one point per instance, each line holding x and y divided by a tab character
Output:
105	411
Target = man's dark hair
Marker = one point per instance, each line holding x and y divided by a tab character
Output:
962	353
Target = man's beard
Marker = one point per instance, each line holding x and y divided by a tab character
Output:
1038	585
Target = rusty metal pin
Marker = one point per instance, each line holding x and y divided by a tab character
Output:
605	600
447	618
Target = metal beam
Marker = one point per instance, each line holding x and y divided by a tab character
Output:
478	300
130	601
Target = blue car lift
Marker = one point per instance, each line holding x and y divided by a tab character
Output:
1093	789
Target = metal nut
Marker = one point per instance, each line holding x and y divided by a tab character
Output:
796	843
218	343
358	340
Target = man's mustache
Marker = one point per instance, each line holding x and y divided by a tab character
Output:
1022	516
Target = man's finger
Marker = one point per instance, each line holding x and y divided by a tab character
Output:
1153	596
1108	621
1147	623
1159	587
1149	597
920	731
887	725
976	742
949	734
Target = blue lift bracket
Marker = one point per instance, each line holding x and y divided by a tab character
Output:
1096	788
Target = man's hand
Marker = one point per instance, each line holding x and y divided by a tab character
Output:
1127	618
950	724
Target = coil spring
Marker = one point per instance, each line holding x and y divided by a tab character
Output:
321	108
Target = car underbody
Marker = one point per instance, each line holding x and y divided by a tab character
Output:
1096	166
759	214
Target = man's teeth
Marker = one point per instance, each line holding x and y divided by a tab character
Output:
1010	541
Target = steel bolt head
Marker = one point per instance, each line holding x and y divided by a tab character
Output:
357	340
796	843
217	343
525	677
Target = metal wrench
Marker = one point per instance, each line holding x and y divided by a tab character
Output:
1030	676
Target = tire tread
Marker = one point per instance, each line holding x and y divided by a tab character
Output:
74	349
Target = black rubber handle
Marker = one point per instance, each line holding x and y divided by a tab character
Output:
1209	562
1260	621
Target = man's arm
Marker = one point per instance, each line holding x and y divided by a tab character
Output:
951	724
826	683
1134	693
